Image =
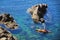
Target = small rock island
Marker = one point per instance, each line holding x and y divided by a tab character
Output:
8	21
6	35
38	12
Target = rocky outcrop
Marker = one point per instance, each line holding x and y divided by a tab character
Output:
8	20
6	35
37	12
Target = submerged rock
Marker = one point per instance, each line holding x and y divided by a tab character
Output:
6	35
8	20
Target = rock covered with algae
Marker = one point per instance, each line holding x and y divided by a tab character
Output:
8	20
6	35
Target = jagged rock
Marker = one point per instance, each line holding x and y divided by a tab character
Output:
8	20
37	12
6	35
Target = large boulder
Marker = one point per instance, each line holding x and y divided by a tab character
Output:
37	12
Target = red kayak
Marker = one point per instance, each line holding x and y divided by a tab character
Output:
42	30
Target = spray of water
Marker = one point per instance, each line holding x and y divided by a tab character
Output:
44	26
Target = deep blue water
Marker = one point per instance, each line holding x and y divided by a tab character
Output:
26	30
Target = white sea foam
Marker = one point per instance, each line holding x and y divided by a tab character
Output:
43	24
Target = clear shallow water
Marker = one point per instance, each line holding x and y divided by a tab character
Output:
26	30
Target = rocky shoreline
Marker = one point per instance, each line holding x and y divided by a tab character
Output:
6	35
8	21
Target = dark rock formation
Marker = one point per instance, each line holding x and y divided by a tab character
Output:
37	12
8	20
6	35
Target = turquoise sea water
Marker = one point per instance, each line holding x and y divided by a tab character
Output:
26	29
